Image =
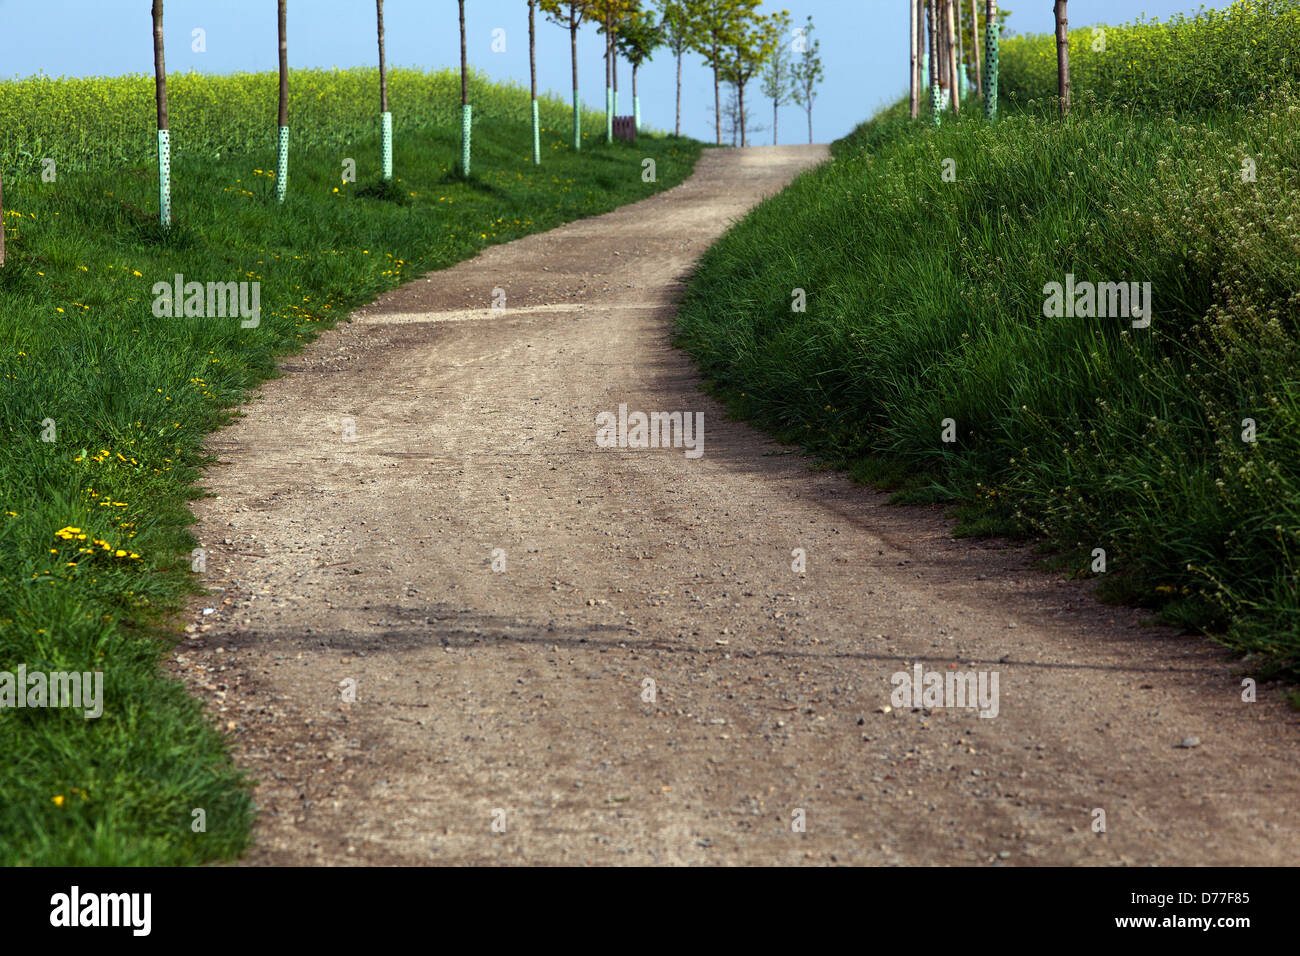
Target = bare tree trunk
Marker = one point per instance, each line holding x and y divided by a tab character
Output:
577	103
679	91
914	72
945	78
939	42
284	66
466	114
961	41
532	71
159	65
975	38
609	78
532	46
464	59
740	90
1063	56
952	58
717	102
383	63
776	118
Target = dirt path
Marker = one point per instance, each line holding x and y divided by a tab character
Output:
368	557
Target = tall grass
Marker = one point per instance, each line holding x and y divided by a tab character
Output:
1215	59
926	303
109	122
94	526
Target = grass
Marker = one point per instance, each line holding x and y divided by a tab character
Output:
98	123
1174	449
1215	59
127	398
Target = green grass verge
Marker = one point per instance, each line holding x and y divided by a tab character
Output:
925	302
127	398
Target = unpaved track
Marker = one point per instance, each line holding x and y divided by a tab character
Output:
371	560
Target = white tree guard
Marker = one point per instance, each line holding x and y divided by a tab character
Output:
165	177
537	136
282	165
386	123
577	121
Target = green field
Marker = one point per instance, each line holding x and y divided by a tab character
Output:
1173	448
94	540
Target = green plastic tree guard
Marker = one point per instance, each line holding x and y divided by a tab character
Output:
577	121
466	122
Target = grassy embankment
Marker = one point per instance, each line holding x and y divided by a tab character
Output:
127	397
1180	167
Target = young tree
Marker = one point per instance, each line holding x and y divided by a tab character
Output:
532	72
1063	57
164	134
923	41
639	38
282	152
753	40
385	117
613	15
570	13
676	24
953	87
713	24
778	81
734	118
611	70
602	12
914	68
466	113
940	50
605	12
935	71
961	49
808	73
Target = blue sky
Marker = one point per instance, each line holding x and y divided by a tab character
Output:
864	46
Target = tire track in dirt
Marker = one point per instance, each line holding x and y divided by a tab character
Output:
367	556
